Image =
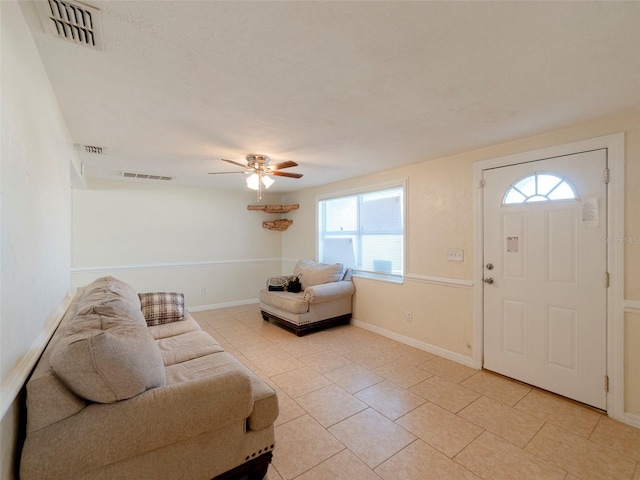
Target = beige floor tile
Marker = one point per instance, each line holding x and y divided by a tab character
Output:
390	399
504	421
272	474
402	373
448	395
494	386
452	371
412	356
578	456
493	458
342	466
419	461
289	408
325	361
300	381
301	346
440	428
330	405
370	357
625	439
636	475
371	436
278	363
353	378
301	445
559	411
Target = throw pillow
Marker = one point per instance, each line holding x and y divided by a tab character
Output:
162	307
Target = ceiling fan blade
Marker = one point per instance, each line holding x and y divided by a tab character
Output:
286	174
281	165
235	163
222	173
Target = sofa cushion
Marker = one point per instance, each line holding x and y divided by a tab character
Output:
109	365
317	273
162	307
175	328
110	292
185	347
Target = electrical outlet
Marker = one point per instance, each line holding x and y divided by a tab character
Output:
203	291
409	317
455	254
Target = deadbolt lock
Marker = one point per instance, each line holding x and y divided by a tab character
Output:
489	266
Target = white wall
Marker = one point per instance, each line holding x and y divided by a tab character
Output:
440	216
35	198
160	237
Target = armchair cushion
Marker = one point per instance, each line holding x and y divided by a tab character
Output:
313	273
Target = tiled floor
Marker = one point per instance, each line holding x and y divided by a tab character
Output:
356	405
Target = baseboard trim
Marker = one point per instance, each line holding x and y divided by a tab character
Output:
216	306
441	352
631	419
155	266
18	376
445	281
632	306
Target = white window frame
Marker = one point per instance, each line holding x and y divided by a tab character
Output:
386	277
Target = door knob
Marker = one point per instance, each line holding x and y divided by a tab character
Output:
488	280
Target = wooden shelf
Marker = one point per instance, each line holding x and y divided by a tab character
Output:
274	208
280	225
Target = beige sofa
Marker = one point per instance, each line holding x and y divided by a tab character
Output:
114	398
325	299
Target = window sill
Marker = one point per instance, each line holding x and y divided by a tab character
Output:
381	277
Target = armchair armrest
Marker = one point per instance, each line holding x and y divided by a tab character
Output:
327	292
157	417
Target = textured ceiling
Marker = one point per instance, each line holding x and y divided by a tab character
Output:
342	88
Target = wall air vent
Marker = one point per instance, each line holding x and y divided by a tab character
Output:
93	149
146	176
73	21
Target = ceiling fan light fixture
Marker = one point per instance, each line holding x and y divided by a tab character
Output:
253	181
267	181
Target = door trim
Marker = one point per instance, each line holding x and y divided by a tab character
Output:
615	254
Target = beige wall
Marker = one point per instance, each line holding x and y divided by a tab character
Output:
164	237
440	216
37	154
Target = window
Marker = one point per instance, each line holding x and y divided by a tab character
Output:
539	187
364	231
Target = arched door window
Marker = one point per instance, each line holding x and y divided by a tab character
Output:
539	187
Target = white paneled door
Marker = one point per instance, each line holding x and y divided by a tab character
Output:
545	264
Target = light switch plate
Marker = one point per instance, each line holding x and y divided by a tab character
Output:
455	254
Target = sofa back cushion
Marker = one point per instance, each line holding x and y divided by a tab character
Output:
313	273
106	365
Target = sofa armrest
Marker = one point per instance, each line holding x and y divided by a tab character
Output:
327	292
106	433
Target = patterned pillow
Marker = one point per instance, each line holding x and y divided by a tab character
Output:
162	307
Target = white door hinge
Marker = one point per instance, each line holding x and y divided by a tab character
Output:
481	183
606	383
606	280
606	175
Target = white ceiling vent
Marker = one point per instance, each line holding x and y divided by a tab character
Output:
94	149
73	21
146	176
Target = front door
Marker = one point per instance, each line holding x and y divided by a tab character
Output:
545	311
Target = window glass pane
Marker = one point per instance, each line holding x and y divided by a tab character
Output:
537	198
527	185
514	196
546	183
341	214
364	230
563	192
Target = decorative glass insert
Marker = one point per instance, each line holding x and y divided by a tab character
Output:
539	187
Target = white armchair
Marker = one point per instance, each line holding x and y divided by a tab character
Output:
324	301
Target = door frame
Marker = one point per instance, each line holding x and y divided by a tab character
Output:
615	253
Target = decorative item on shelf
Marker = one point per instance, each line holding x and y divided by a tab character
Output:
280	225
274	208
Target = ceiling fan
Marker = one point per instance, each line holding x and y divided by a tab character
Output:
260	171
